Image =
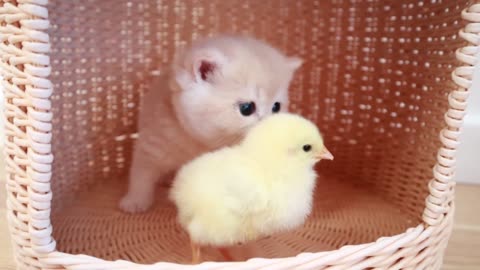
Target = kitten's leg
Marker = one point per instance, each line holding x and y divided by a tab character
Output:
144	174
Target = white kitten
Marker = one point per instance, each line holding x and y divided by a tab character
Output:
217	89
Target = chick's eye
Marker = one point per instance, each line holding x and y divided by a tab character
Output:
247	108
307	147
276	107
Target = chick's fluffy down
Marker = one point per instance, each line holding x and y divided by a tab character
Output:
223	199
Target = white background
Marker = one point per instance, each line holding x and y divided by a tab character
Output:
468	155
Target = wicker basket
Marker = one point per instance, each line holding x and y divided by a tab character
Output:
377	79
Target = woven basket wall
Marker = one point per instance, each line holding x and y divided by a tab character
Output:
382	78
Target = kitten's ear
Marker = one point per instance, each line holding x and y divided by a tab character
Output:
207	64
294	62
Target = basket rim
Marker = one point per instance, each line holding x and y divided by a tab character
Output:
413	238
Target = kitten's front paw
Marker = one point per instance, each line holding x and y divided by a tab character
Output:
135	203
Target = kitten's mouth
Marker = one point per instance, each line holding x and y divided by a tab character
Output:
237	138
247	127
229	140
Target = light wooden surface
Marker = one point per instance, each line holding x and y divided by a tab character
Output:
463	252
6	258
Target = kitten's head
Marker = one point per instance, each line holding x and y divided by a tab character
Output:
226	84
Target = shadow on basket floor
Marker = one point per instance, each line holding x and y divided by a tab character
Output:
342	215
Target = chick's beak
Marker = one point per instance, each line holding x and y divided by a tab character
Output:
324	154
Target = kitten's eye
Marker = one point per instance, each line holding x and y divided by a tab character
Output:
247	108
276	107
307	147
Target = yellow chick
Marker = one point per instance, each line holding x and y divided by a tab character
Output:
260	187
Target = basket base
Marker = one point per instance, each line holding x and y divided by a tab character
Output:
342	215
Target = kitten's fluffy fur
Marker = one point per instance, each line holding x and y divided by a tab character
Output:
195	108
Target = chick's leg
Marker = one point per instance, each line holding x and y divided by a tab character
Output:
226	254
196	252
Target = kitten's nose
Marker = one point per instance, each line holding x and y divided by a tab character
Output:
261	114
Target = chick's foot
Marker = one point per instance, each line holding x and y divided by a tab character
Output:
226	254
